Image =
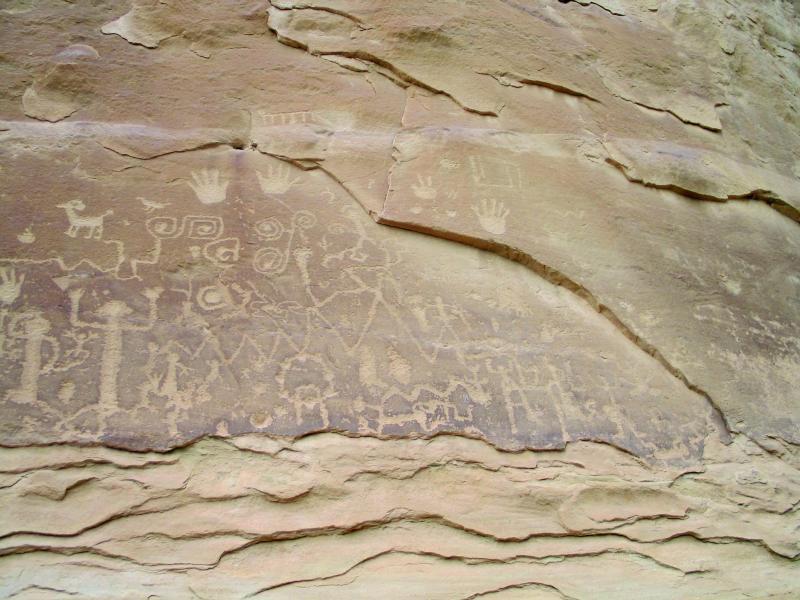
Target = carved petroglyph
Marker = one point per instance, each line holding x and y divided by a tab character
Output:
495	173
492	215
32	328
277	179
114	321
10	284
223	253
208	186
267	302
270	260
152	205
424	188
193	227
93	225
27	236
306	383
263	118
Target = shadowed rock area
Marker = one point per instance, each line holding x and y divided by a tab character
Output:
414	299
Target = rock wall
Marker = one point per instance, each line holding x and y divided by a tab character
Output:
447	299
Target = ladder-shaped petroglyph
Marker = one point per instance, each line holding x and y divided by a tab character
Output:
495	173
115	318
93	225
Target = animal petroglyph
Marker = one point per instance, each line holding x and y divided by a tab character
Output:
208	186
93	225
277	180
492	215
152	205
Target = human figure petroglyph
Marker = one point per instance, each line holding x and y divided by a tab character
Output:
492	215
93	224
307	383
114	315
10	285
424	188
33	328
277	180
208	186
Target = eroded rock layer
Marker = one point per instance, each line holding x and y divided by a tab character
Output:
420	299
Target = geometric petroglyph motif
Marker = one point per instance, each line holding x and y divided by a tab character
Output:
191	226
264	119
223	253
495	173
271	260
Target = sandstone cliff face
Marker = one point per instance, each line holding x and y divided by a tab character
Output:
448	299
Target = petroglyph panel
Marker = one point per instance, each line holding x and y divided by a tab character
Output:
452	299
239	294
646	257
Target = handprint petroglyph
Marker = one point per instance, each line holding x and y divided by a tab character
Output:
208	187
277	179
424	189
492	215
93	224
10	285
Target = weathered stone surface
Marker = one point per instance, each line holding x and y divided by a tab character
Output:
576	376
253	516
